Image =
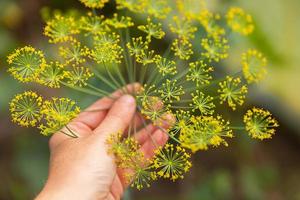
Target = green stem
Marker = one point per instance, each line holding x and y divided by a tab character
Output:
84	90
102	78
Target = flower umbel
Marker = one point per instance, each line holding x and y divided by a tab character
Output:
199	72
239	21
26	63
205	131
25	109
260	124
61	29
57	113
254	66
233	92
171	162
203	103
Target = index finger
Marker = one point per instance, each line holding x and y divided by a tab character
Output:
95	113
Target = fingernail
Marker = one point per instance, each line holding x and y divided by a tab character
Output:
127	99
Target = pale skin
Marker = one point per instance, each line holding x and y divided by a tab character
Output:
81	168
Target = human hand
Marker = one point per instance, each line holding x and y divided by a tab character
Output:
81	168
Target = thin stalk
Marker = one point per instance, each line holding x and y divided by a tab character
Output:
112	77
72	136
98	89
72	132
102	78
84	90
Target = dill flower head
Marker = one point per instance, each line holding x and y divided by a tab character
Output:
171	91
182	121
239	21
119	22
141	177
153	108
182	49
147	57
106	49
137	47
203	103
128	157
183	28
94	3
152	30
78	76
190	8
171	162
26	63
209	21
61	29
93	24
52	75
215	48
73	53
205	131
25	109
165	66
57	113
254	66
233	92
199	72
137	6
260	124
126	151
157	8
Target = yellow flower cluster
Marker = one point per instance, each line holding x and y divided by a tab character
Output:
171	162
239	21
209	21
260	124
130	158
119	22
204	104
233	92
57	113
254	66
174	52
216	49
152	30
25	109
205	131
191	8
26	64
94	3
199	72
61	29
29	109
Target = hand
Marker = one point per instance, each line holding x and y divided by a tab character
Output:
81	168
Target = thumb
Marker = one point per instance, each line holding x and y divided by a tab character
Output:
118	118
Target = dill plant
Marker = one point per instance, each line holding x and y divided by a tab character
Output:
178	83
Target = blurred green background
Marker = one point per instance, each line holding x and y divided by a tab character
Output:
250	170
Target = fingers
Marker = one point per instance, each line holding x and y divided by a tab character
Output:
118	118
146	133
95	113
77	128
158	139
117	188
89	119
